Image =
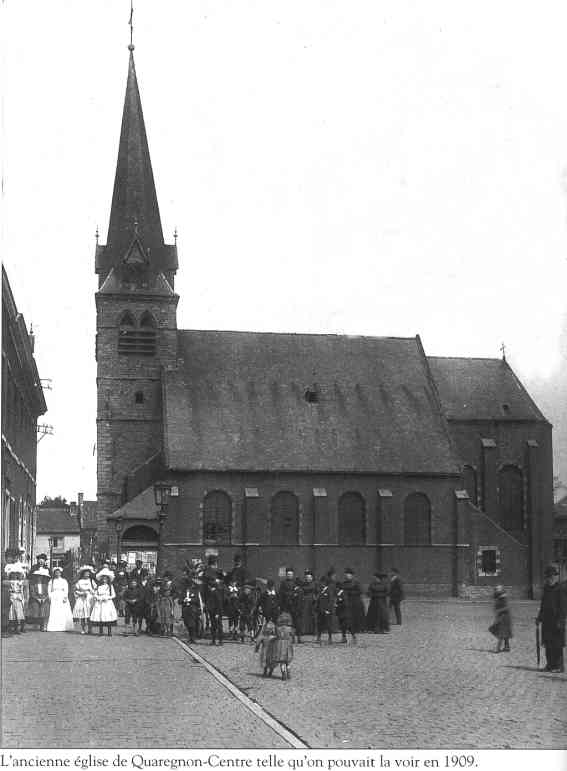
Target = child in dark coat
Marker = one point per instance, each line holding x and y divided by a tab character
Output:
133	598
502	626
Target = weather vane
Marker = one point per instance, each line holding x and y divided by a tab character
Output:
131	46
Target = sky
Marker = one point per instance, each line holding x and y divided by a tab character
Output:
383	168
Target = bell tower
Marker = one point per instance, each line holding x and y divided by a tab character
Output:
136	324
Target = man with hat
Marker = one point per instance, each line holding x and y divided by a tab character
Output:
551	616
239	575
38	603
214	597
290	596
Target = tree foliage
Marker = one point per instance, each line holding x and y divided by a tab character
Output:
53	503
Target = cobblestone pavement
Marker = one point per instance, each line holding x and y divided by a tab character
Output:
68	690
434	682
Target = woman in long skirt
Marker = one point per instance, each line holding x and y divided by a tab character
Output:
104	611
60	615
16	612
84	591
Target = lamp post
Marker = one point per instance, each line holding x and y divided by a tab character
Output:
118	526
50	541
161	495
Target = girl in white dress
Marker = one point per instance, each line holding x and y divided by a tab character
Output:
60	616
104	611
84	591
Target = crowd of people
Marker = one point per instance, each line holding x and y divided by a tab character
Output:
201	597
215	604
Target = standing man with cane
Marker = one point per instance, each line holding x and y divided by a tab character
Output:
551	616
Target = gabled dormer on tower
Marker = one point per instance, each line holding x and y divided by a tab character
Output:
135	237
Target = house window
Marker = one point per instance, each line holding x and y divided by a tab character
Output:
560	549
511	498
285	519
139	397
488	560
352	528
217	517
417	520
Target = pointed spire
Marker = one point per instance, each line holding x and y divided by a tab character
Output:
134	201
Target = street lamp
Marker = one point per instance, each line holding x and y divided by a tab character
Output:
50	541
118	527
161	495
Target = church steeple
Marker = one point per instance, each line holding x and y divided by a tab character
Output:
134	214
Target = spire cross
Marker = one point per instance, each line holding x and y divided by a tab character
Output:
503	349
175	235
131	46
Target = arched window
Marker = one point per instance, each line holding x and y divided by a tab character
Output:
352	528
285	519
134	341
217	517
511	498
147	321
469	482
417	520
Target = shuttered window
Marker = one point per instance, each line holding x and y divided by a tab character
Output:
511	498
351	519
284	519
417	520
217	517
137	341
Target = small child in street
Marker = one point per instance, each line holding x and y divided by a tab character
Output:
502	626
104	611
264	644
165	610
191	611
133	598
281	650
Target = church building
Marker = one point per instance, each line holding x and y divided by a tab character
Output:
309	450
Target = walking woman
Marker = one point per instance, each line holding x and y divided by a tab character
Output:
60	615
104	611
84	591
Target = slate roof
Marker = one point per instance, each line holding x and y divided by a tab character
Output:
237	402
481	389
53	521
143	506
134	199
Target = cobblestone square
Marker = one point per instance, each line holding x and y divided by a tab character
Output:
434	682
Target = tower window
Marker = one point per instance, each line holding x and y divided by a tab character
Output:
139	397
137	341
312	395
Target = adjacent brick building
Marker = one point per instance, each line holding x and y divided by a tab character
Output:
22	403
314	450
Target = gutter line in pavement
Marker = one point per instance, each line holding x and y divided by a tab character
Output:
282	731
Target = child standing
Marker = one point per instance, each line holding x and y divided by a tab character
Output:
133	598
191	610
104	611
165	609
282	647
502	626
84	592
265	644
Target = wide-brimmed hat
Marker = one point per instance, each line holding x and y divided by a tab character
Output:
41	556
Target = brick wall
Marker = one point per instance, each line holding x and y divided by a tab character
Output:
129	430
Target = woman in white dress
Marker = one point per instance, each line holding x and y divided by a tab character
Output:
84	591
60	615
104	610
